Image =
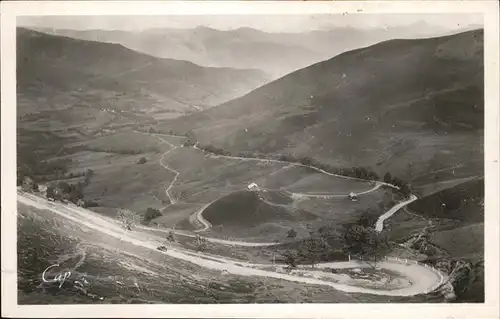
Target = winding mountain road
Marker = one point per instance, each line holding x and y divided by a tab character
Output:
167	190
379	226
206	224
422	279
291	164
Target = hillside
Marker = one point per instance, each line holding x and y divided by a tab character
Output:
463	202
408	107
276	54
59	72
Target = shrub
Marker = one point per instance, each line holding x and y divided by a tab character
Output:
151	213
291	233
142	160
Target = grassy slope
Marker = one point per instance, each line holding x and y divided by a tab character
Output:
104	73
268	216
243	208
427	111
462	202
458	226
465	241
128	141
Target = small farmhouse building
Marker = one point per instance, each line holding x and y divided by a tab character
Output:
353	197
253	186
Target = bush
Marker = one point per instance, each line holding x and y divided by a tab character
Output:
142	160
291	234
387	178
151	213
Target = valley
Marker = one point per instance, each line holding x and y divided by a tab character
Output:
164	180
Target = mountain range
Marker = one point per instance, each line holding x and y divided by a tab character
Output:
277	54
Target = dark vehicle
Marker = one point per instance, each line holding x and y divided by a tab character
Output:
162	248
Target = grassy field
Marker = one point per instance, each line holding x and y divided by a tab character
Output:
268	216
119	181
342	210
127	142
204	178
175	140
174	215
320	183
285	176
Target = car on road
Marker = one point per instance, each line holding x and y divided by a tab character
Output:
162	248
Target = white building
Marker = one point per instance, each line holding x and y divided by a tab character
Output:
253	186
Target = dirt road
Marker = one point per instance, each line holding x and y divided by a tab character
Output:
379	226
206	224
165	166
199	216
423	279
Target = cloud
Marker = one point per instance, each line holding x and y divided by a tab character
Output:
269	23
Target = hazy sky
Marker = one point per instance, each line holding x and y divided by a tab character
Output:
269	23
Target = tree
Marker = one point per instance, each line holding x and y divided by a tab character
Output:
151	213
62	190
28	184
200	243
387	178
314	249
364	242
290	259
75	193
405	189
191	139
50	192
367	219
291	233
171	237
127	218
